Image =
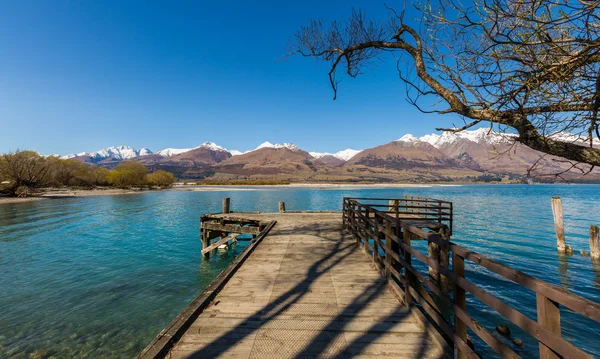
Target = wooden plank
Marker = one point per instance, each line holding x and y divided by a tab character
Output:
218	243
231	228
160	346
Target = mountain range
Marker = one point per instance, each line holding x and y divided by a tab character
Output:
464	156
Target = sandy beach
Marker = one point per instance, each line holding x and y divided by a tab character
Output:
327	186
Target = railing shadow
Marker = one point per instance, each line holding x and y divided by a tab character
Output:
283	302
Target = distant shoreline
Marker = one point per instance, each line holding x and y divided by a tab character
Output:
56	193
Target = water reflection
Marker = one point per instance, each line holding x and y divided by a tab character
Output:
563	269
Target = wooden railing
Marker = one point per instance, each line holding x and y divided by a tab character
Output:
378	231
413	208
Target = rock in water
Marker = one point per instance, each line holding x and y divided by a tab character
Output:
517	342
502	329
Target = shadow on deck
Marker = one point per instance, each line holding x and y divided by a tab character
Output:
306	291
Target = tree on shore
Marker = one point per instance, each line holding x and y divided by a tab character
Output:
160	178
25	171
526	65
128	174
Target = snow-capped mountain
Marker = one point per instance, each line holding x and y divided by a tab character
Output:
482	136
168	152
573	138
343	155
267	144
441	156
115	152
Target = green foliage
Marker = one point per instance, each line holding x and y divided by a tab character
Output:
128	174
161	179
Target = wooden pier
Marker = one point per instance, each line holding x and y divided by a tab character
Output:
341	285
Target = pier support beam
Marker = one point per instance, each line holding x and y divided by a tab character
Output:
594	243
226	204
281	207
559	224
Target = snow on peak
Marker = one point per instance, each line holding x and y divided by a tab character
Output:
235	152
482	136
168	152
343	155
116	152
265	144
573	138
268	144
213	146
408	138
346	154
319	155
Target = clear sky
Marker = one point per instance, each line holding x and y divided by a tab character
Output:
83	75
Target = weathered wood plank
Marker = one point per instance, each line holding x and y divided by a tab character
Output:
232	228
219	242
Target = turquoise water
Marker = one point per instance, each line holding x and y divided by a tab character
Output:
99	277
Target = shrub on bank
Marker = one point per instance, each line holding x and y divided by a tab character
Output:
128	174
160	178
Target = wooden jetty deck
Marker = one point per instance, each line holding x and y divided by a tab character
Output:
331	285
306	291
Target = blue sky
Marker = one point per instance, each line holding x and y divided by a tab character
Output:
84	75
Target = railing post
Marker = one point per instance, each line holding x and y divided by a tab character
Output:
407	273
548	313
344	213
364	236
460	299
388	244
354	217
375	239
395	245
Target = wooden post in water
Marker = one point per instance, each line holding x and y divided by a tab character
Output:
226	203
433	251
281	207
559	224
594	243
205	241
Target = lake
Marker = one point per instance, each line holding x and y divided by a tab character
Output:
99	277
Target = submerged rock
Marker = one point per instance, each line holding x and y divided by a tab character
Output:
517	342
502	329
